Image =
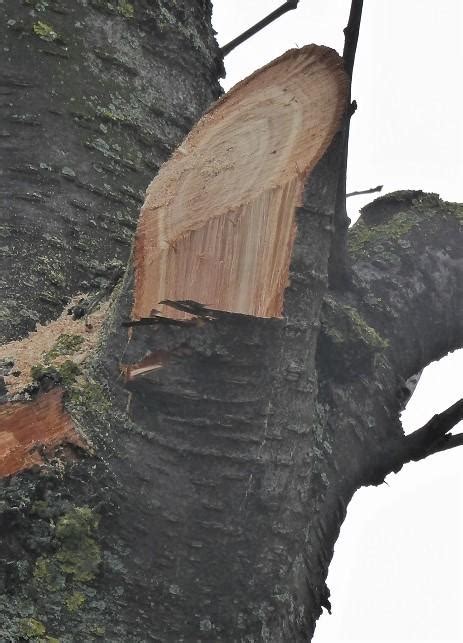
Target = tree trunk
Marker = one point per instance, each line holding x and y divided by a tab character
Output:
203	470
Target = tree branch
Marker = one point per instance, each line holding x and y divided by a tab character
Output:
451	441
378	188
287	6
408	287
351	34
432	437
338	265
406	244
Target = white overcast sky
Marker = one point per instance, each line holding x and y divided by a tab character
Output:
397	572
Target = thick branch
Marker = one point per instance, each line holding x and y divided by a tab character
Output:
406	254
404	311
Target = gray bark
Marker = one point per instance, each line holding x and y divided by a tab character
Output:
210	502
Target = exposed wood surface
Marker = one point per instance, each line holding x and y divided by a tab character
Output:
217	226
31	430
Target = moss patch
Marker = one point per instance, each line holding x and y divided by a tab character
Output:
75	601
367	334
89	396
98	630
77	558
31	628
391	217
65	373
79	554
125	9
362	235
349	341
344	324
44	575
65	345
120	7
45	31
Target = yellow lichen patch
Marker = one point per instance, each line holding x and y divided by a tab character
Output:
52	344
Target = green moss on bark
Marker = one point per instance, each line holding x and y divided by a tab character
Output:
45	31
66	373
75	601
31	628
345	325
391	217
79	554
66	344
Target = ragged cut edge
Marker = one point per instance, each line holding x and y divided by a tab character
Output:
31	431
218	225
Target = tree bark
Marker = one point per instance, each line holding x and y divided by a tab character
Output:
206	496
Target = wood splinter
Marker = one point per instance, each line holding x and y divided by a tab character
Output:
153	362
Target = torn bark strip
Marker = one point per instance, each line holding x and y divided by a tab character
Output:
30	431
217	226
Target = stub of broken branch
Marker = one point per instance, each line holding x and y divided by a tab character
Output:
218	225
31	431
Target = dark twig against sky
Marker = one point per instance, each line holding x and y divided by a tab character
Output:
287	6
351	35
338	270
378	188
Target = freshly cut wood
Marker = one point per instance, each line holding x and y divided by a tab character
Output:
32	430
217	226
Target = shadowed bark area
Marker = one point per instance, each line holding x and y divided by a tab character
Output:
221	455
88	116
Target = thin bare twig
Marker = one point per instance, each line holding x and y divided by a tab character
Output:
287	6
351	35
378	188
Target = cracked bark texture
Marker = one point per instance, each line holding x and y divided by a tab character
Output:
95	96
208	503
